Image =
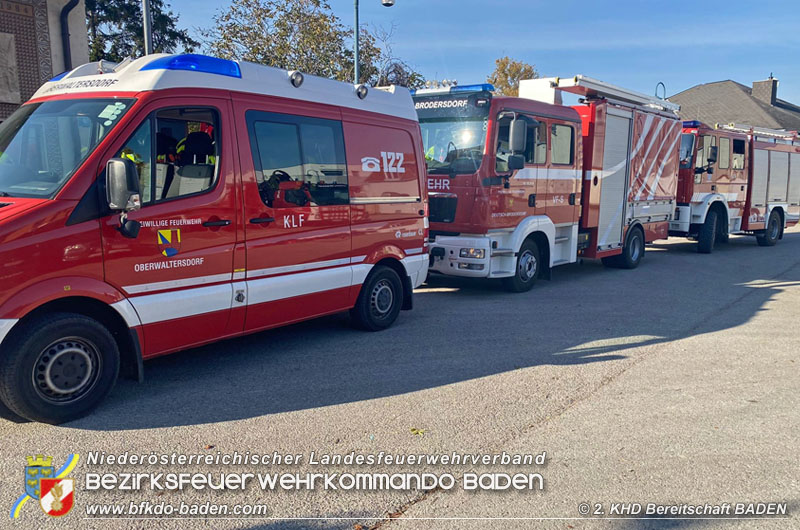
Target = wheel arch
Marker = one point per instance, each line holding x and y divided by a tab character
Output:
528	227
398	266
109	307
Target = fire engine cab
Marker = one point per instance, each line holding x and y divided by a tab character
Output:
736	179
519	185
174	200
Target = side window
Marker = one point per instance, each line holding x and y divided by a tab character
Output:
176	153
139	149
536	143
503	148
704	149
562	144
299	161
724	155
738	154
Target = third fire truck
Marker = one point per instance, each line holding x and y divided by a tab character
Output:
736	179
519	185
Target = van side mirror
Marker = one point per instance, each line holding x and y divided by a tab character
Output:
122	185
122	194
712	154
516	162
517	132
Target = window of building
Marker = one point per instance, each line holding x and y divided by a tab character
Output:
176	153
299	161
562	144
724	155
738	154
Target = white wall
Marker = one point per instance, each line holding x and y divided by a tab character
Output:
78	36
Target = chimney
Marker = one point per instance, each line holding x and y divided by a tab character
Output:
766	91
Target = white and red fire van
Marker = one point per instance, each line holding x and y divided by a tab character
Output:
736	179
175	200
519	185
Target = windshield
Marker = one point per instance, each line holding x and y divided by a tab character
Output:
453	131
43	144
687	150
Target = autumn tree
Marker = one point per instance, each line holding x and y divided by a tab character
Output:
507	74
116	29
304	35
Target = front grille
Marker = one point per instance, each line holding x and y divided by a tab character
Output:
443	208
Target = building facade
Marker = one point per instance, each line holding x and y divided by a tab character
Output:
34	35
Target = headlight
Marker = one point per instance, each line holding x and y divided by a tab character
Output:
474	253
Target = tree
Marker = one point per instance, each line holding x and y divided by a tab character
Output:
302	35
116	30
507	74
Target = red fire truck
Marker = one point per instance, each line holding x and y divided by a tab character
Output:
141	214
736	179
519	185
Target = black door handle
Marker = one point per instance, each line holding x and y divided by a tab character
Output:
261	220
572	199
221	222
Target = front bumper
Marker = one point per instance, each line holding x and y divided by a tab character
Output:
445	256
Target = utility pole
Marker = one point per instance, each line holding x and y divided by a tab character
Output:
386	3
148	29
355	45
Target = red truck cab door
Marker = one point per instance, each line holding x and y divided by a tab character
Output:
177	272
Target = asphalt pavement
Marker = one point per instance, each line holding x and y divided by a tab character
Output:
674	383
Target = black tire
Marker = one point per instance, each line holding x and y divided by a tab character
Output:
632	252
722	231
379	301
708	234
73	348
772	233
526	270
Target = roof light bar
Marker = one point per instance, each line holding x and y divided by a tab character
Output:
453	89
59	77
196	63
692	123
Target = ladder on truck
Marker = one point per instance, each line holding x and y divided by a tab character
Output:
765	132
547	89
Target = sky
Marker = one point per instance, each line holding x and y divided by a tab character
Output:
634	44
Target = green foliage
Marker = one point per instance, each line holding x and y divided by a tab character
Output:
507	74
304	35
116	29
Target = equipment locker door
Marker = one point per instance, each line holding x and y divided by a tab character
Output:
177	271
613	194
297	214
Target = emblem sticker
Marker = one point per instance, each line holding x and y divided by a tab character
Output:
169	241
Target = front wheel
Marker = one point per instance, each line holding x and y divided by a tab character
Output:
527	269
57	367
708	234
379	301
771	235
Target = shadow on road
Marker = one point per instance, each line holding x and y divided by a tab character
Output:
459	330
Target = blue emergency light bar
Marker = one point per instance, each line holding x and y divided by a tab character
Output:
453	89
196	63
59	77
692	123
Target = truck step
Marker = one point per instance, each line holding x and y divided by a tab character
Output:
561	239
560	262
502	252
503	273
